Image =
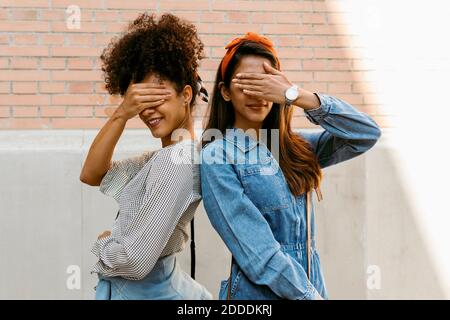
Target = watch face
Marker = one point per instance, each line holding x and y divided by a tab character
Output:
291	94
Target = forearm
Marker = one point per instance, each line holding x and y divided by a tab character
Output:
101	150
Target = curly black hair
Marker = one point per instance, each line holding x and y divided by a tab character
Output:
168	47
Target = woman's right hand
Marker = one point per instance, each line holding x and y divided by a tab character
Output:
140	96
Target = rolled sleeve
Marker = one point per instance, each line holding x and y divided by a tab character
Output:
347	132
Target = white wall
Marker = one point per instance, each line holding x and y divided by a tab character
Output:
49	219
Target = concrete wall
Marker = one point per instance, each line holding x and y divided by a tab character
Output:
370	243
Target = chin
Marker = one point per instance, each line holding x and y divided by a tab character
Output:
157	133
259	118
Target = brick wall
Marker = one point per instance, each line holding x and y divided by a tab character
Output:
50	75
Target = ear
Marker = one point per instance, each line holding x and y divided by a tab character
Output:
187	94
224	91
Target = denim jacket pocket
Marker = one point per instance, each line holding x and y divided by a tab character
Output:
264	185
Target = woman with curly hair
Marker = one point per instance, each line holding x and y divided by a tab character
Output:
257	174
153	66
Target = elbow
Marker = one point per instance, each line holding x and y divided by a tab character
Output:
87	179
369	140
137	270
375	135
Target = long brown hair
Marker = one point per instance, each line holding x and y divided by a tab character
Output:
297	159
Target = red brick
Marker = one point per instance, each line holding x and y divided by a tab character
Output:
332	76
24	39
52	111
5	112
315	86
363	87
241	17
25	87
5	87
24	14
80	87
291	64
24	123
299	76
52	87
53	15
313	18
77	112
20	26
83	4
314	41
81	75
24	100
51	39
85	27
289	29
340	65
25	112
193	17
80	63
340	87
53	63
4	14
24	51
147	5
263	17
107	15
75	52
169	5
24	75
295	53
286	41
24	63
287	17
331	53
212	17
75	40
25	3
314	64
78	99
4	39
77	123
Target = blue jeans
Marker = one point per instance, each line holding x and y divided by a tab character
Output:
166	281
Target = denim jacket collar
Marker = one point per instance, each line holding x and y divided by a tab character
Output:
240	139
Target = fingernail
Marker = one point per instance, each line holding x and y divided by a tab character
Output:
238	75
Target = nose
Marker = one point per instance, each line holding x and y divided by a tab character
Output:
256	100
147	112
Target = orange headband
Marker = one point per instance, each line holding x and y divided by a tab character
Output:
236	43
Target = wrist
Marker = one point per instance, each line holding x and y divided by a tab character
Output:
119	115
307	100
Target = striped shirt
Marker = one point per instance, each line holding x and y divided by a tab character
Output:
158	193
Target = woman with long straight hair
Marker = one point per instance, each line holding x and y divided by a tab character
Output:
153	66
257	173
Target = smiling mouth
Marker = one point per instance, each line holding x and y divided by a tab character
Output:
154	122
256	106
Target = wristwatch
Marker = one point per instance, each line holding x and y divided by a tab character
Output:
291	95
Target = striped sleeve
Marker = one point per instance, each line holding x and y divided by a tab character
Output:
169	193
121	172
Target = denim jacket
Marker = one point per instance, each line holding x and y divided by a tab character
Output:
262	223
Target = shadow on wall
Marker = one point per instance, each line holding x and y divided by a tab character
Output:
371	245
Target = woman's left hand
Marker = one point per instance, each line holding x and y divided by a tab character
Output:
270	86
